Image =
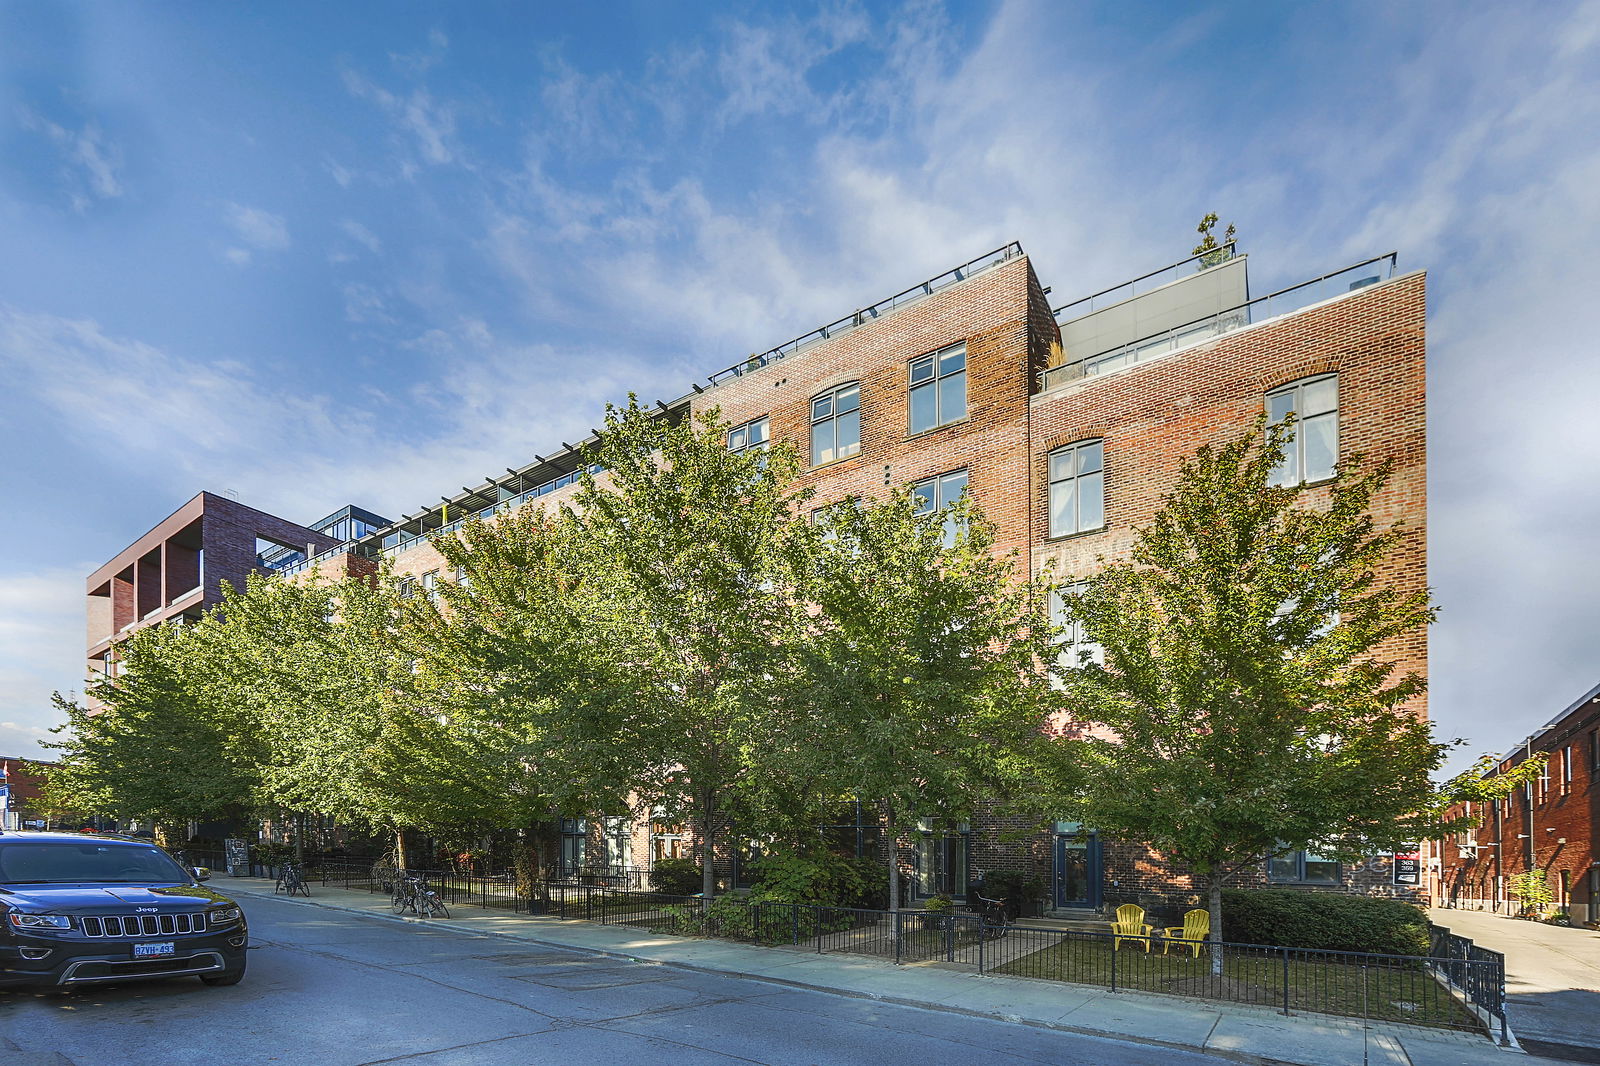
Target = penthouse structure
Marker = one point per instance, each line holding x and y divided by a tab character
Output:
1067	424
176	570
1547	825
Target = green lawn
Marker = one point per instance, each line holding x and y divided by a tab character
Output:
1327	987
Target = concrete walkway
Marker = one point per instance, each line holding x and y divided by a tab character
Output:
1242	1033
1552	979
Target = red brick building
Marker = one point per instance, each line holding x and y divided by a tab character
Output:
1547	824
20	782
1066	425
176	570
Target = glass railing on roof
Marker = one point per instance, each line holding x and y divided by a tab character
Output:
1145	282
1253	312
395	543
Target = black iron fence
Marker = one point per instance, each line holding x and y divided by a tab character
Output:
1456	986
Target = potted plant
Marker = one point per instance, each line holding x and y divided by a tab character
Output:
937	911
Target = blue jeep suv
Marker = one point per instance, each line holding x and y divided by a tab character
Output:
79	909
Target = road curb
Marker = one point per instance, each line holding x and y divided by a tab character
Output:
898	1001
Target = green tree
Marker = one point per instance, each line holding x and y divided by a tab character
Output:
921	662
685	554
155	748
1218	250
1251	709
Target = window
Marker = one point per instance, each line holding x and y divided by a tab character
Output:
463	578
939	388
940	860
1077	488
1303	866
836	424
430	586
937	493
408	587
617	838
1594	750
574	844
751	436
1314	452
1074	645
667	839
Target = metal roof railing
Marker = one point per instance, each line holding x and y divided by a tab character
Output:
1003	254
1252	312
1145	282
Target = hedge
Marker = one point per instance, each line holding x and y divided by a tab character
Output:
1323	920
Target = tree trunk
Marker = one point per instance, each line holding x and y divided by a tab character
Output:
708	853
399	848
300	838
892	845
1214	890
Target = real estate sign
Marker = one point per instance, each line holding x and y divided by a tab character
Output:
1408	866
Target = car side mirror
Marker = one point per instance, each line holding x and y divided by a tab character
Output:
200	873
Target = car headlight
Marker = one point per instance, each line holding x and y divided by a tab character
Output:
40	921
226	915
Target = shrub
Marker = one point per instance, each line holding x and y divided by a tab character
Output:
1289	918
676	877
820	878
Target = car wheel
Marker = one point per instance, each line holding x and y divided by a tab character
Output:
226	977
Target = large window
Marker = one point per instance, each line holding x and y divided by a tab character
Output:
617	838
1076	647
939	388
836	424
667	838
751	435
1077	488
1314	453
941	861
937	493
574	844
1303	867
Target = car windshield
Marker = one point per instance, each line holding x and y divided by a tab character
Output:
90	861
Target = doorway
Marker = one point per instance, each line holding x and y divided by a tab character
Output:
1077	867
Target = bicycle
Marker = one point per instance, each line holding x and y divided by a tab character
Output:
994	917
412	893
291	880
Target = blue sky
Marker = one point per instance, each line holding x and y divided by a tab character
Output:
315	253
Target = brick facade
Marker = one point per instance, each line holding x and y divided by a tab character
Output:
1548	825
1149	417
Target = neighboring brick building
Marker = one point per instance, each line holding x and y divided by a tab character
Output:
1066	426
1548	824
20	783
176	570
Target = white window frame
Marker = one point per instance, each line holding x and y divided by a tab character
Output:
1076	456
935	492
828	423
931	384
1071	639
753	435
1292	470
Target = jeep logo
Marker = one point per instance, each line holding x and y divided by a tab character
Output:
145	910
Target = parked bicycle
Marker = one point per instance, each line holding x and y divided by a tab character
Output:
291	880
994	917
412	893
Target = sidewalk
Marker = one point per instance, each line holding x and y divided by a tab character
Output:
1552	977
1251	1034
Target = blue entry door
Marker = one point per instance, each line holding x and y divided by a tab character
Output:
1077	866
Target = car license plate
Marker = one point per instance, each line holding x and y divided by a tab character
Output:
147	951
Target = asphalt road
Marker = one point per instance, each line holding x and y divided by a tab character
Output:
334	989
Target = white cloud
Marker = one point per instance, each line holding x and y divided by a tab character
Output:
361	235
431	124
257	228
41	651
92	162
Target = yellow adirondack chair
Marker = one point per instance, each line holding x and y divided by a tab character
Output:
1195	928
1130	925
